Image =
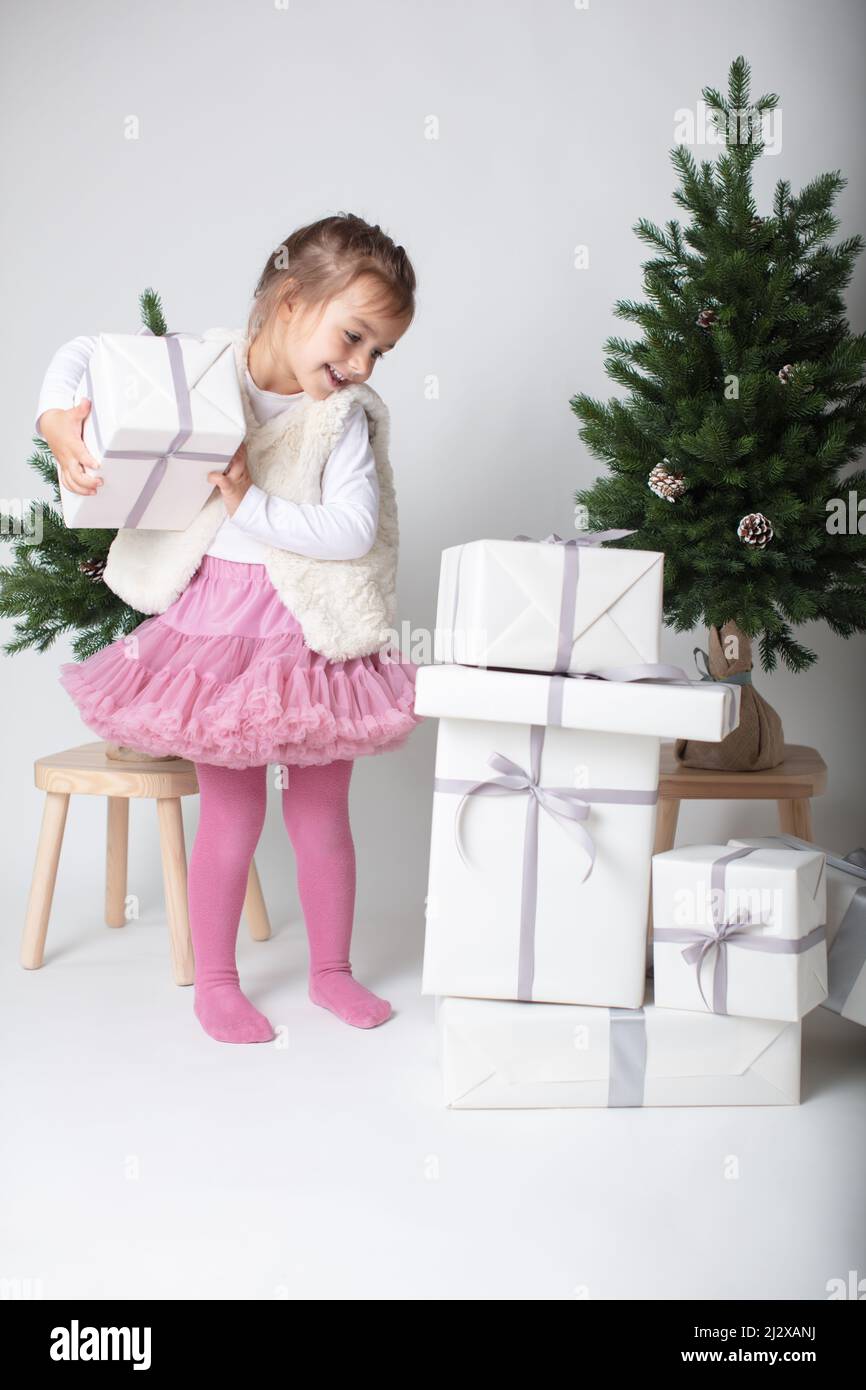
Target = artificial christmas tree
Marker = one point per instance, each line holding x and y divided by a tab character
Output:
746	402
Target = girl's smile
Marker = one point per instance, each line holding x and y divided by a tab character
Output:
321	352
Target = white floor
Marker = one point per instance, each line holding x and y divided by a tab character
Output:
140	1159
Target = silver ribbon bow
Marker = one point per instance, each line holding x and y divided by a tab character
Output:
582	537
714	941
564	803
568	805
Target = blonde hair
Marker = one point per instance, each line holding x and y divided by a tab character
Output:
320	261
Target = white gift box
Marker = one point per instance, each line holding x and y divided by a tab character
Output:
740	930
495	1054
165	412
520	914
846	927
547	606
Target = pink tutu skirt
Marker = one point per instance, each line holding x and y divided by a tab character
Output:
224	676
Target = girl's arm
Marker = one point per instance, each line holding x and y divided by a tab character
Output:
63	374
61	424
343	525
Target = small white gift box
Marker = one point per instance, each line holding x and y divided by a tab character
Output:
740	930
494	1054
846	925
542	832
548	605
165	412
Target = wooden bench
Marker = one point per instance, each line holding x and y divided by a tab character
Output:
87	771
802	775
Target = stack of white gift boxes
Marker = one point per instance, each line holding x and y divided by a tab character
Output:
552	705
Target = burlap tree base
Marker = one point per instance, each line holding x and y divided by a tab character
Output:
758	741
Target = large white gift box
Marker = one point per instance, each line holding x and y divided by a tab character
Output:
494	1054
548	605
846	925
542	831
740	930
165	412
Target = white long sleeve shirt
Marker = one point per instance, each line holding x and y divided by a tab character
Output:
341	527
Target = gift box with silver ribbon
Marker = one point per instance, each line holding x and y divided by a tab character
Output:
165	412
740	930
549	605
494	1054
544	804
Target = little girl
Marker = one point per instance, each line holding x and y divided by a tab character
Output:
273	606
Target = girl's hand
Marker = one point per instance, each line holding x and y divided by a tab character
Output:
233	484
63	432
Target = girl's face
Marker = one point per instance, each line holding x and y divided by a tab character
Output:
339	349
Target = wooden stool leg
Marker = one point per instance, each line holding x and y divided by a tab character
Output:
795	817
254	909
116	857
174	876
44	879
667	815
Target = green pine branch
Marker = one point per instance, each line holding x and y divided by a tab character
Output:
152	315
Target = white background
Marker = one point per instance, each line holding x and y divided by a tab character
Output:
305	1169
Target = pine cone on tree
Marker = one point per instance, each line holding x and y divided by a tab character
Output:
665	483
755	529
94	569
706	318
788	373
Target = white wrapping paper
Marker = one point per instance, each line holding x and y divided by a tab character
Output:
671	709
135	411
495	1054
556	934
764	973
846	929
500	604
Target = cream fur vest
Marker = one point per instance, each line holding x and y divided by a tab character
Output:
346	608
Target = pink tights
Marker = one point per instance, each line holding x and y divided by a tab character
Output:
316	816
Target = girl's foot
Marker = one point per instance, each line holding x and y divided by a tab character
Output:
226	1014
340	992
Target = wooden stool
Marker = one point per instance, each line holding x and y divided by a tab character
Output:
802	775
87	770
